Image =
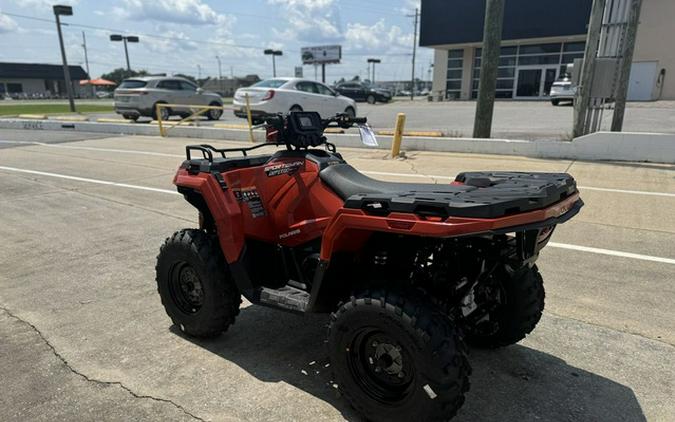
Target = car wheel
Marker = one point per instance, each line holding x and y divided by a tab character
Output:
349	111
555	102
295	108
371	99
165	112
133	117
214	114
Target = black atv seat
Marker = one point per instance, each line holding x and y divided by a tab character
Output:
346	181
481	194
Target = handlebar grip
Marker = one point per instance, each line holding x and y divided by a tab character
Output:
360	120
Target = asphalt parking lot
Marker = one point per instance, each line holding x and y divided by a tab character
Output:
83	335
529	120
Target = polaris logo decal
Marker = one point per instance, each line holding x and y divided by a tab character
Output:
289	234
283	168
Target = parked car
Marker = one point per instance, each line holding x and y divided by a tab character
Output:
360	91
136	97
562	90
281	95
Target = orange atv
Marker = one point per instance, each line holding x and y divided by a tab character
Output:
408	272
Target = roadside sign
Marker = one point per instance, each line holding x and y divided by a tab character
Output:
298	71
324	54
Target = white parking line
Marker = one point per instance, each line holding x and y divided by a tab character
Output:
612	253
122	151
85	179
376	173
599	251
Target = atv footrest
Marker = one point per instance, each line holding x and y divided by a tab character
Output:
287	297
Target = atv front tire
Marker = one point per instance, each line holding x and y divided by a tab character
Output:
522	304
194	283
396	358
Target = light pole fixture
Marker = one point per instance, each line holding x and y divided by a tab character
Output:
60	10
373	61
130	38
273	53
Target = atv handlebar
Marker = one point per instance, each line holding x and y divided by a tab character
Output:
341	119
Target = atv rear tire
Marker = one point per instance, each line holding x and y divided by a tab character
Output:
395	357
519	312
194	283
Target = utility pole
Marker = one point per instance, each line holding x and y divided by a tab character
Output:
65	11
412	78
86	59
323	72
492	40
583	96
199	73
86	63
626	63
220	75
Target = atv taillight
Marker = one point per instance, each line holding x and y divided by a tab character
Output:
269	95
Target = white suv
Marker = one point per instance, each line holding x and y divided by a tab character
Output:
136	97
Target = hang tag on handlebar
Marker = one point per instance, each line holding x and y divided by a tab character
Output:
367	135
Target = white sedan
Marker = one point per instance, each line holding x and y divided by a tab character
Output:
282	95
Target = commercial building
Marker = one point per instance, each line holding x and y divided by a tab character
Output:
539	38
34	80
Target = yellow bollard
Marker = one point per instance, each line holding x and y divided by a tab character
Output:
159	119
398	135
250	119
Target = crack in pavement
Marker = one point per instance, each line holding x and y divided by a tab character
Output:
96	381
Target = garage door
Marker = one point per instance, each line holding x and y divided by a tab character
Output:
642	80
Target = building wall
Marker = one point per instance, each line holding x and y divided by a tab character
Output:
31	87
654	43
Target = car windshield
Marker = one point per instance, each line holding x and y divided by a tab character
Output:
270	83
130	84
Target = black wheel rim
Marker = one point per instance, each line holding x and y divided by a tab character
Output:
215	114
186	288
381	366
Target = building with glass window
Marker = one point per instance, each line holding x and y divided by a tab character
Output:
540	38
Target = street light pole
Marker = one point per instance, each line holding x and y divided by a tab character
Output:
273	53
65	11
126	54
129	38
373	61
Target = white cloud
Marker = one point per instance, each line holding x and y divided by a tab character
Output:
377	38
190	12
43	5
311	21
7	24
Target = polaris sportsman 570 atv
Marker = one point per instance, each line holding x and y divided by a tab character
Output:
408	272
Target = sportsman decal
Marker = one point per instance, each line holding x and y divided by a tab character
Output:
283	168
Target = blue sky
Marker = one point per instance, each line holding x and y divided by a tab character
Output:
178	35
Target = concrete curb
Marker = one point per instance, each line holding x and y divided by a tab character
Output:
610	146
